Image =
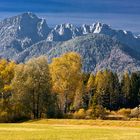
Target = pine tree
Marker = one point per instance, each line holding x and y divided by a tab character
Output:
126	90
78	98
107	92
135	87
90	88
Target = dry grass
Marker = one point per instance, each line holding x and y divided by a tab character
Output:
115	123
71	130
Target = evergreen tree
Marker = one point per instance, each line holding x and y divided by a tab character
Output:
115	91
107	92
90	88
126	90
78	98
135	87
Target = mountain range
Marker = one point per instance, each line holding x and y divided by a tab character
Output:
101	47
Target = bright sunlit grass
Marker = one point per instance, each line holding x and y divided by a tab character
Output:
71	130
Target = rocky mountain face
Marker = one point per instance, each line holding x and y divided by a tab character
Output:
20	32
65	32
25	36
97	50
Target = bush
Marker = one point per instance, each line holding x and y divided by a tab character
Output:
112	113
89	113
80	114
6	117
99	112
12	115
135	113
3	116
124	112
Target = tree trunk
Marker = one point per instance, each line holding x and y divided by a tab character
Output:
34	112
65	104
37	107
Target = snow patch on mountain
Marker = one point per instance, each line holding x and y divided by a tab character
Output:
26	36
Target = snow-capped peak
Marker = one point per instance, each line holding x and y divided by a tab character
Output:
64	32
63	26
99	27
86	29
125	32
29	14
68	25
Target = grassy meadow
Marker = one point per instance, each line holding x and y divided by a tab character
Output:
71	130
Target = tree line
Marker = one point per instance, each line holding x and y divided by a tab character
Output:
36	89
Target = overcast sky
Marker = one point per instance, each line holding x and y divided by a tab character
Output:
118	13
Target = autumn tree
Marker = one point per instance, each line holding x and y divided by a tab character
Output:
66	74
32	86
6	76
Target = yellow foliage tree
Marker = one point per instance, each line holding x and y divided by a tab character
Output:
66	74
6	76
32	86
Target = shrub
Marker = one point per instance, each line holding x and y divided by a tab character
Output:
135	113
99	112
80	114
3	116
124	112
89	113
112	113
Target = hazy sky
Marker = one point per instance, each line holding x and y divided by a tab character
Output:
118	13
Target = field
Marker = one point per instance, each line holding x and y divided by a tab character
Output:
71	130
